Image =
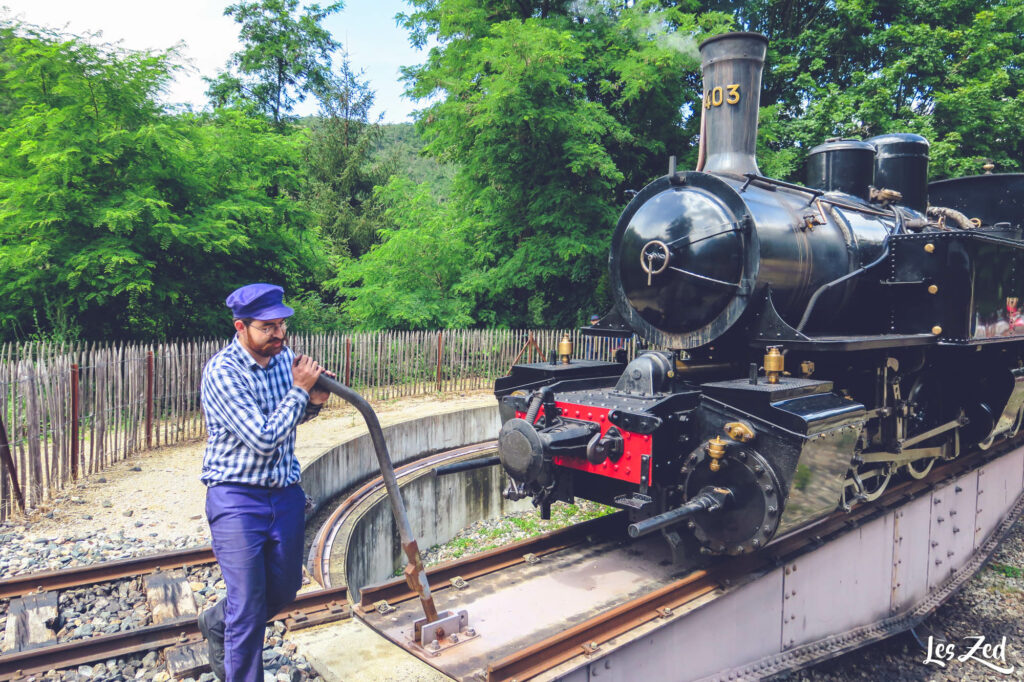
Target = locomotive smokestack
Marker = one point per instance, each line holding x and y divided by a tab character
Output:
732	64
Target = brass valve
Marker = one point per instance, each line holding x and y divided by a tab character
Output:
565	349
739	431
774	364
716	451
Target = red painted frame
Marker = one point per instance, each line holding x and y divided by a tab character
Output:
635	446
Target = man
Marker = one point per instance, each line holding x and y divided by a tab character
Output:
254	393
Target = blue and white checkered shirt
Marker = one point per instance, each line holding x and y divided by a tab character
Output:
251	414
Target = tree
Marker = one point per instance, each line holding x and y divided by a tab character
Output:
340	162
552	110
119	220
950	71
284	57
410	280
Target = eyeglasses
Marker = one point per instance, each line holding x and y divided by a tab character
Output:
271	329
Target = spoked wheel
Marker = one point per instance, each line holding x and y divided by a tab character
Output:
869	482
875	480
920	468
1017	423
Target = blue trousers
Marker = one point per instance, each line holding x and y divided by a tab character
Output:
257	538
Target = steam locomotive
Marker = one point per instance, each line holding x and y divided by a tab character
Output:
814	342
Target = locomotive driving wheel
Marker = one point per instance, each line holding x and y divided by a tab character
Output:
920	468
867	483
929	410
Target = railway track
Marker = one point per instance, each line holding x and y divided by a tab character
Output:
322	548
32	645
174	627
106	571
386	606
518	656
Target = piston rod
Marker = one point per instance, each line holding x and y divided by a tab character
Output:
468	465
710	498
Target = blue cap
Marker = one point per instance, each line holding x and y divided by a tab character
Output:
258	301
595	317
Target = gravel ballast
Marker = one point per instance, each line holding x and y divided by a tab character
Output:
161	490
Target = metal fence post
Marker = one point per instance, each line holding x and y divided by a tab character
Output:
74	421
149	399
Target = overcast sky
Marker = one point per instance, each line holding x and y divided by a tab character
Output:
366	27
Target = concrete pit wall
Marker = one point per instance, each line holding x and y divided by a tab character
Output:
437	508
354	461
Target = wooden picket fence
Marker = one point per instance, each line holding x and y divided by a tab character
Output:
68	411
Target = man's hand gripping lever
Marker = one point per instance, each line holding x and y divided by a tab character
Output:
306	373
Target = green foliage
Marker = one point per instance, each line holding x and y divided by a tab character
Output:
342	166
121	218
284	56
410	279
552	110
313	315
1006	570
402	147
132	222
950	71
487	535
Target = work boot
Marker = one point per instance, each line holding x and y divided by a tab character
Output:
214	641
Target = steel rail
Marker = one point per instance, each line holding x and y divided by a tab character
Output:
475	565
63	579
320	552
587	636
310	608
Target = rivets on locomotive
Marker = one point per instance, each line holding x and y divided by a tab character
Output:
936	330
933	289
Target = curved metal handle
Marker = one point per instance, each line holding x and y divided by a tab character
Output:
415	574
